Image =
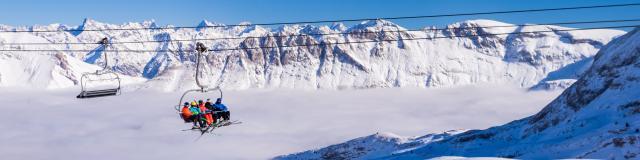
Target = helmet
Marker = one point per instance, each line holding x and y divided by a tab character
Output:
194	103
208	100
186	103
219	100
200	102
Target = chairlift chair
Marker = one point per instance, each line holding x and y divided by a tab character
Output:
92	92
182	99
200	48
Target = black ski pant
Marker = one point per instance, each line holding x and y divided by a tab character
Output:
226	115
197	120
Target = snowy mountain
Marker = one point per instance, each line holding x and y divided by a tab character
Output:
597	117
370	147
523	60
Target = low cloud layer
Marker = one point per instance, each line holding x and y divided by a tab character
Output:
144	125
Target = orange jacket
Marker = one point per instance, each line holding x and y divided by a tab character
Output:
186	113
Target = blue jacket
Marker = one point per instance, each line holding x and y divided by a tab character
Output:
220	106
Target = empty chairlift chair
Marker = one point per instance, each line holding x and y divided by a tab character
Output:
101	83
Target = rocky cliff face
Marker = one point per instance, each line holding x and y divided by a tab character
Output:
320	61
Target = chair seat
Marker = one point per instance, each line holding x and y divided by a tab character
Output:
98	93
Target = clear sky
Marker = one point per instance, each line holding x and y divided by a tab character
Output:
191	12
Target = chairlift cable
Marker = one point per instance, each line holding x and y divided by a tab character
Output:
335	21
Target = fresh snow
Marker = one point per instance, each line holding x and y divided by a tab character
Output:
518	60
369	147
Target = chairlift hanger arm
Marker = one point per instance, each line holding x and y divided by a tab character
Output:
105	45
200	48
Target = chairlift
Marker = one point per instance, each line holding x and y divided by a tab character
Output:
202	89
102	82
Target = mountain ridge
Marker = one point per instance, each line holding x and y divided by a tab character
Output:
521	60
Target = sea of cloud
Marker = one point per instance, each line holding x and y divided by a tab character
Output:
144	125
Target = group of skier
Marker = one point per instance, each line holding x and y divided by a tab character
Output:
204	114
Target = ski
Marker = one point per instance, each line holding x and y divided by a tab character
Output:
191	129
210	128
221	124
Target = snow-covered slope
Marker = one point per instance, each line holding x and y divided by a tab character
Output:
522	60
41	70
370	147
597	117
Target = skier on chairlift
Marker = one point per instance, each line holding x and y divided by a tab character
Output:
206	113
197	116
202	113
211	110
225	114
186	114
208	104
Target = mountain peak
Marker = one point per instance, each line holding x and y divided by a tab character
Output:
204	24
482	26
378	22
245	23
376	25
287	29
484	23
90	22
340	27
254	30
386	136
150	23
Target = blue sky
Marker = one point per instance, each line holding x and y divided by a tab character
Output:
191	12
